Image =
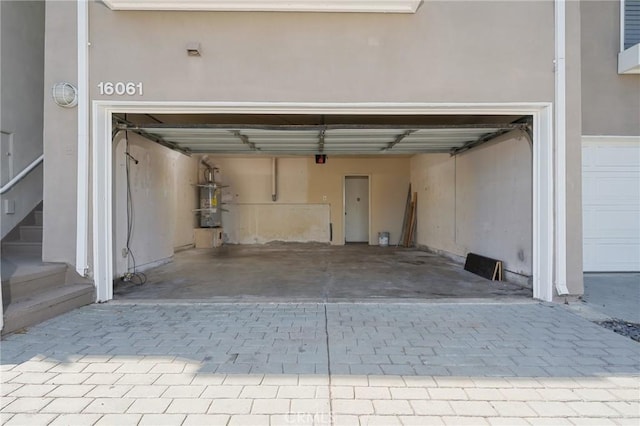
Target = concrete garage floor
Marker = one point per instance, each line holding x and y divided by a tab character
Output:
313	272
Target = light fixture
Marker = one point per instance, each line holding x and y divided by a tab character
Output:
65	94
193	48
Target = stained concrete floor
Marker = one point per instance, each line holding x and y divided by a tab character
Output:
313	272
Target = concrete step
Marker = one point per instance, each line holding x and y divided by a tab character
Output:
31	233
38	217
46	305
21	285
17	248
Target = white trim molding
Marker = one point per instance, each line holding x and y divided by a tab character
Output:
543	171
82	214
561	149
363	6
629	60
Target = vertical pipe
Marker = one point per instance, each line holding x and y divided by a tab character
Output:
561	141
274	179
82	204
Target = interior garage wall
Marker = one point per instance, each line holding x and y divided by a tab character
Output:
388	182
307	189
163	198
479	201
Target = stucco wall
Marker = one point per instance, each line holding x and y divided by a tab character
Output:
302	184
478	201
448	51
610	102
22	58
163	196
574	126
60	136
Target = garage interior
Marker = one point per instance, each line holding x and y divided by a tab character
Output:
314	207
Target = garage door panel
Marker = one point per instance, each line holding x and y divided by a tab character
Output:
611	256
611	156
609	222
612	188
611	204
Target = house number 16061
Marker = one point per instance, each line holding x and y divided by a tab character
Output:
120	88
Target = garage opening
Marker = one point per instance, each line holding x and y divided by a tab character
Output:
290	191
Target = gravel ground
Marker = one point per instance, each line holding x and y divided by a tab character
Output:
627	329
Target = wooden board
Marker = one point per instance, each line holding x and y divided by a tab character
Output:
414	220
486	267
408	239
405	219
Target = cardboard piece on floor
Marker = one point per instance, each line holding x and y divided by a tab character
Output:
485	267
207	237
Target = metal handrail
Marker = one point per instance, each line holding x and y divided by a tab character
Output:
17	178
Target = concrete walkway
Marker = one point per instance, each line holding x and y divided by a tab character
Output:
616	295
314	363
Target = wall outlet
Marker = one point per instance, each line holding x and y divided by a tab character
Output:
9	206
125	252
324	198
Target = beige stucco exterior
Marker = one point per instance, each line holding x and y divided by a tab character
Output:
60	137
610	101
447	52
573	164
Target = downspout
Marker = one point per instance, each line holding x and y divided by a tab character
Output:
274	179
82	206
560	102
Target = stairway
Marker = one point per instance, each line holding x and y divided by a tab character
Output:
33	291
30	238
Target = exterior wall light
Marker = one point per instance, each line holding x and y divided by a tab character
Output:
193	49
65	94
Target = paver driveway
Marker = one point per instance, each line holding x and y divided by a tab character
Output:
342	363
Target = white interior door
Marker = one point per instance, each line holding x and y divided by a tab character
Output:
611	204
356	209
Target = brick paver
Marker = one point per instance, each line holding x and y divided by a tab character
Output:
336	363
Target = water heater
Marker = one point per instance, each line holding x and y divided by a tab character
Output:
210	206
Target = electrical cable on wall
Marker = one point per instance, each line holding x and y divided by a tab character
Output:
132	275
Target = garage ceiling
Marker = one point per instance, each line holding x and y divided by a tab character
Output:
307	139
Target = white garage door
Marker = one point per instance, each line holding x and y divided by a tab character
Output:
611	203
